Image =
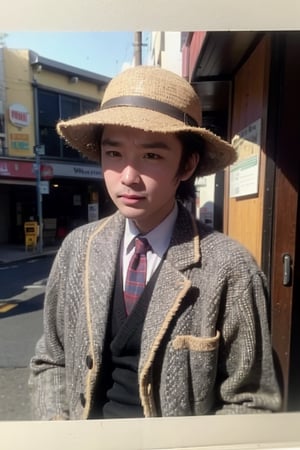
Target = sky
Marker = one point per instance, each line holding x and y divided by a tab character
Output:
105	53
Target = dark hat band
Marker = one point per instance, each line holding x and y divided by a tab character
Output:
150	103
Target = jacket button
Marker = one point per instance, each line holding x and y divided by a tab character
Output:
89	362
82	399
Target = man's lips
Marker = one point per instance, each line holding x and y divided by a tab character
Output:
131	199
131	196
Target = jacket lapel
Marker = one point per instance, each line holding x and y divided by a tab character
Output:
172	286
101	264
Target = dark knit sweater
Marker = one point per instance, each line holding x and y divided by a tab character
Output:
118	392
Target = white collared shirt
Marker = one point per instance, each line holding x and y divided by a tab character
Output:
158	238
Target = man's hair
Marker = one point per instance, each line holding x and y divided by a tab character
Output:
190	144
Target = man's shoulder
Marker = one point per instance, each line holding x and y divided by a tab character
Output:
214	244
83	233
223	248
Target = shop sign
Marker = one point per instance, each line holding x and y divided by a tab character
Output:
46	171
19	141
28	170
18	115
76	171
17	169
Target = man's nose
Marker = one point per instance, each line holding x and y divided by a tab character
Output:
130	175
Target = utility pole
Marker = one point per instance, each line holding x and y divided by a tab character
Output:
137	48
39	151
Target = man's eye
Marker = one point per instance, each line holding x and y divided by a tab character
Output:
152	156
112	153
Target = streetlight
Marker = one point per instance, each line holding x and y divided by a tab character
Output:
39	150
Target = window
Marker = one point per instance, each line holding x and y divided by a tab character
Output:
48	113
70	107
50	139
52	107
87	106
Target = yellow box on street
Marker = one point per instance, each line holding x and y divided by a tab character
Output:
31	230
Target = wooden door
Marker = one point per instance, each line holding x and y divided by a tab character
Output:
286	150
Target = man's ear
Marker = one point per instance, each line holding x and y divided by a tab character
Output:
190	167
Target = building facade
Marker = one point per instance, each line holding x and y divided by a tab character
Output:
166	51
35	93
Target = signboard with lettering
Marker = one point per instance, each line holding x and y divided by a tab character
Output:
19	141
46	172
244	173
17	169
27	170
75	171
18	115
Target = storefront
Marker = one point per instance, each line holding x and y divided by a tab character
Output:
35	93
72	194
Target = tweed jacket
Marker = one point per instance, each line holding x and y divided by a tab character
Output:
205	344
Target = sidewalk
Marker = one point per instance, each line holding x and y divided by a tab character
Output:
10	253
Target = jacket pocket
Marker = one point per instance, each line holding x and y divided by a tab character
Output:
191	374
197	344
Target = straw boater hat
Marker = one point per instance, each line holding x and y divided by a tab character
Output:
150	99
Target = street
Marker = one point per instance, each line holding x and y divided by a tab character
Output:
21	303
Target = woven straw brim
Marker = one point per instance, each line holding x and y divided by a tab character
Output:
83	134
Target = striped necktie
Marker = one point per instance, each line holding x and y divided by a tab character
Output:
136	274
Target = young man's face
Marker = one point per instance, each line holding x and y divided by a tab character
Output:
140	173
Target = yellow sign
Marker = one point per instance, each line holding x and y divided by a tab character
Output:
31	231
19	141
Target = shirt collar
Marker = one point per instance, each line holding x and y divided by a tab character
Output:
158	238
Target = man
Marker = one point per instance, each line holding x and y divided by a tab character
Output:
183	329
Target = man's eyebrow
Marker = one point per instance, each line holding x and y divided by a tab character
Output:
110	141
155	144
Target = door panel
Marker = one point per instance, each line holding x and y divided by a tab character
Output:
285	206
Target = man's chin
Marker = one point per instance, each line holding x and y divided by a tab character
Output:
133	215
130	211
